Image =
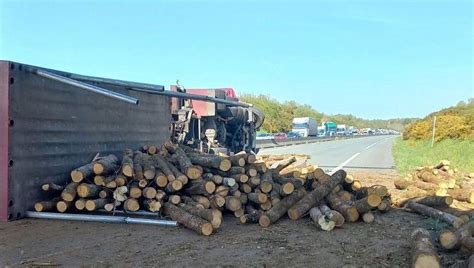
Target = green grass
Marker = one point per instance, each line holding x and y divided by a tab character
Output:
410	154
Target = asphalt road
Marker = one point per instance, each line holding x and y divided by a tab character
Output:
365	153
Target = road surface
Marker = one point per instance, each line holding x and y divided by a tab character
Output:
365	153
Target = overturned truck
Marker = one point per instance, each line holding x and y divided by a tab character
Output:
53	121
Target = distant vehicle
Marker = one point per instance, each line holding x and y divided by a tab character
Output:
264	136
321	131
279	136
293	135
331	128
341	130
305	126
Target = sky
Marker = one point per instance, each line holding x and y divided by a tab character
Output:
373	59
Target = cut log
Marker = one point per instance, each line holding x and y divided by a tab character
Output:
243	198
254	182
423	252
239	213
217	201
229	181
211	161
121	180
244	187
242	178
174	199
211	215
258	198
160	179
453	240
83	172
320	220
80	204
222	190
283	190
152	205
318	173
284	180
251	217
70	191
93	205
401	184
165	167
49	205
435	214
105	165
379	190
385	205
190	221
204	201
463	195
127	163
368	203
280	165
173	186
232	203
63	206
266	182
149	192
152	149
200	187
135	192
277	211
434	201
356	185
106	193
345	195
160	195
261	167
266	206
349	212
109	182
238	160
149	170
188	200
332	215
120	193
317	195
186	166
368	217
131	205
251	171
52	188
137	166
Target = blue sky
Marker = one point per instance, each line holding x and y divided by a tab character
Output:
374	59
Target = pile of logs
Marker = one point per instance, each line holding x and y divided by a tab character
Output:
439	180
194	189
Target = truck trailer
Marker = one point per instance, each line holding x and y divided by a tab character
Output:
305	126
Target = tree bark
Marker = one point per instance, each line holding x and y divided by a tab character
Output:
164	167
211	161
62	206
52	188
211	215
332	215
137	166
131	205
368	203
232	203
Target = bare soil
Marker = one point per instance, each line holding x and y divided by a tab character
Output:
386	242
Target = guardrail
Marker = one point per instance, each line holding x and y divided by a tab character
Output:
272	143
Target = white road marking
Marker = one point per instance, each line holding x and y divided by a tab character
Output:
345	163
370	146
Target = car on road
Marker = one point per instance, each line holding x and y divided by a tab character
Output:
293	135
264	136
279	136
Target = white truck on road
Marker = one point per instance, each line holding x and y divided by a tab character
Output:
305	126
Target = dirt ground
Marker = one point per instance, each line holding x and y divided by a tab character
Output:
384	243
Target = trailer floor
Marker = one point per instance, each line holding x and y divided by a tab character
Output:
386	242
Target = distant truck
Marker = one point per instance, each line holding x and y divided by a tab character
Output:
331	128
305	126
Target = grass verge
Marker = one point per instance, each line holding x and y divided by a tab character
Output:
410	154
